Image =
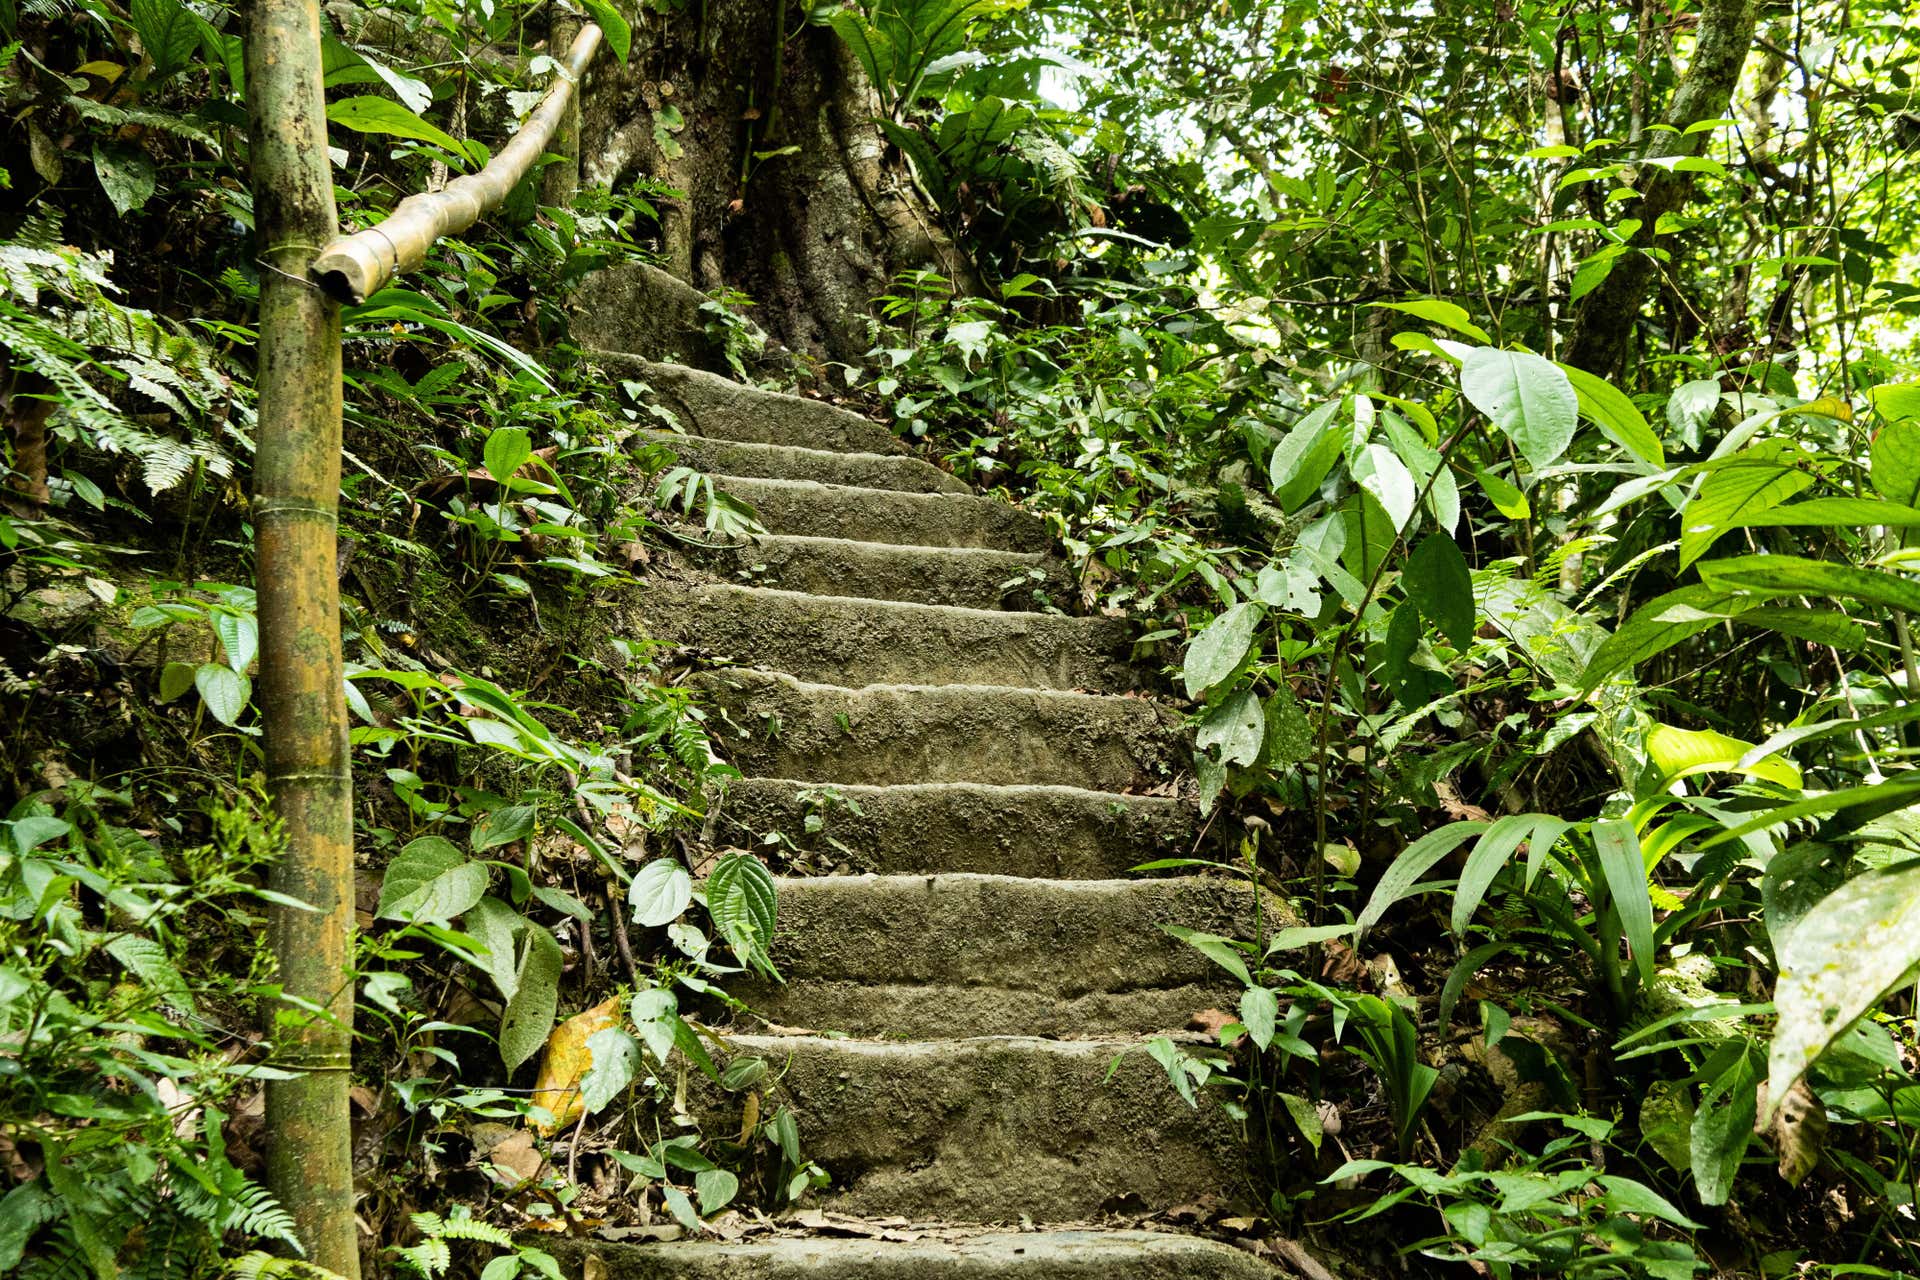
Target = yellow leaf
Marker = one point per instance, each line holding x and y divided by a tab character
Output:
1827	407
565	1060
108	71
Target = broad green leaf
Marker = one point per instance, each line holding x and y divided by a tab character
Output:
1660	624
1404	874
1260	1012
239	637
1682	753
1490	853
1896	457
1618	847
1835	513
654	1012
1295	937
224	690
613	1056
147	960
125	174
493	925
1691	405
1215	948
167	32
1721	1132
1624	1195
1844	957
507	450
1526	396
430	879
1609	409
1894	401
742	899
660	892
529	1015
1506	498
612	25
1288	738
1168	1055
679	1206
384	116
1446	314
503	826
1299	462
716	1189
1755	482
743	1074
175	679
1795	575
1437	580
1218	650
1381	473
1237	726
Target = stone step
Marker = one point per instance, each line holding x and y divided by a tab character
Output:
996	1129
991	955
942	733
972	577
928	827
717	408
1022	1255
858	642
810	509
789	462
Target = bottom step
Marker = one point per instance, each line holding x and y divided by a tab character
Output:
1032	1255
997	1129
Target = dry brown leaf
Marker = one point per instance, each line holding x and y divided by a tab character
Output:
517	1156
566	1059
749	1117
1798	1133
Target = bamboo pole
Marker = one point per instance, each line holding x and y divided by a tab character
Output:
303	709
354	267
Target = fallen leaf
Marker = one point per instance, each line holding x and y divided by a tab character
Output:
1797	1133
516	1159
566	1059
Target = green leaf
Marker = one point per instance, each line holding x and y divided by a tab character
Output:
1608	408
870	47
1506	498
507	450
1215	948
653	1013
125	174
1721	1133
528	1019
384	116
1835	513
1660	624
430	879
167	32
743	900
716	1189
743	1073
1237	726
1260	1011
240	637
175	679
1682	753
1288	464
612	25
1692	404
1847	954
1624	1195
679	1206
1592	272
493	925
1288	738
1446	314
1437	580
224	690
1618	847
1526	396
1404	874
660	892
1217	651
613	1056
1896	455
1795	575
1749	483
147	960
1381	473
1490	853
503	826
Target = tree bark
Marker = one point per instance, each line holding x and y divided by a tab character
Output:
789	195
303	708
1603	326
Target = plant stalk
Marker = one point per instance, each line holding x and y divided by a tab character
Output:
303	709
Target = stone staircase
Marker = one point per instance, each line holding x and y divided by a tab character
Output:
980	978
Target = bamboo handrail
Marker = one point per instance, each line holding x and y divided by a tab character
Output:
352	268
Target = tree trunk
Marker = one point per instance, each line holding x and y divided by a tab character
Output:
766	123
303	709
1603	326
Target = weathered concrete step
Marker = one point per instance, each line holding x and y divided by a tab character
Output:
943	733
1026	1255
790	462
973	955
972	577
810	509
859	642
706	404
997	1128
1062	832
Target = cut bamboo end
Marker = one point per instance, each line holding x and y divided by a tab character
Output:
353	268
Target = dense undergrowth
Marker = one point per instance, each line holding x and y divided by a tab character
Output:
1564	689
